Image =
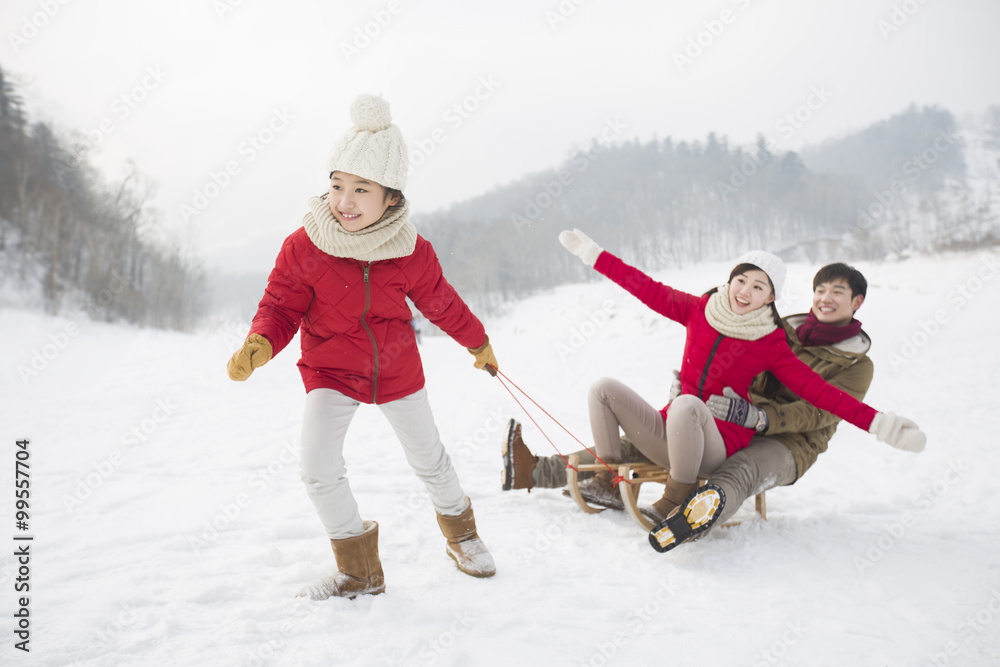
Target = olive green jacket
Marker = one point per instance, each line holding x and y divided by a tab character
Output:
805	429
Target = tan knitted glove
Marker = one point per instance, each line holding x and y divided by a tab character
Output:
256	352
485	359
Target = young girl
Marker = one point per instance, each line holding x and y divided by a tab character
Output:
733	334
343	279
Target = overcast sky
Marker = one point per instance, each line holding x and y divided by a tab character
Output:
231	107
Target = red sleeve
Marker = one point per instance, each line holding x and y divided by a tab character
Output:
434	296
665	300
286	298
809	385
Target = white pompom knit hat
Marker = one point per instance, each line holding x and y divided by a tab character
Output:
769	264
374	147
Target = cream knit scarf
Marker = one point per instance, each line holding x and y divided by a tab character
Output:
391	237
753	325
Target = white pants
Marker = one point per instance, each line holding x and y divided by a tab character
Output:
328	413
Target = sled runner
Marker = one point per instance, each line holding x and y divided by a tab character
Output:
637	474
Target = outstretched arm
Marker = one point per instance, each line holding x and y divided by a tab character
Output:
894	430
665	300
802	416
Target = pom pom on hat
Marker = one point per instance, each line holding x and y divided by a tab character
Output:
374	148
769	264
370	113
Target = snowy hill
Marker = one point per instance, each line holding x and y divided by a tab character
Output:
170	526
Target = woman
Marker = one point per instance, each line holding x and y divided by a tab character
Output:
733	334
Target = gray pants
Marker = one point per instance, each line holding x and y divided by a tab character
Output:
763	465
328	413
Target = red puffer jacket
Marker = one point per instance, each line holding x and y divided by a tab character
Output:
713	361
356	334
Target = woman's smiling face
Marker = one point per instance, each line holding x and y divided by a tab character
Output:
749	290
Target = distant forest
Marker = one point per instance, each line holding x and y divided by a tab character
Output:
68	239
77	241
897	186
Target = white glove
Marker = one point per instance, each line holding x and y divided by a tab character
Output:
898	431
581	245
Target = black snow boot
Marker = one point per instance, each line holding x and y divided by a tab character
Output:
699	512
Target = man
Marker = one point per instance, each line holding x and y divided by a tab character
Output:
791	433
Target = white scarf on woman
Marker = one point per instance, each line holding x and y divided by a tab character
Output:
751	326
391	237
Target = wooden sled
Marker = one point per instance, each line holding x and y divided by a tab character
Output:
637	474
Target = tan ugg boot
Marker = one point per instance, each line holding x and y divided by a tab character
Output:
359	568
464	545
674	493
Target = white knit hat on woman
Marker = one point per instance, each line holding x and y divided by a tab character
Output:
769	264
374	148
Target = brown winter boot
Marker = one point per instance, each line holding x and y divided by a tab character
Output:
518	461
674	493
359	568
464	545
600	490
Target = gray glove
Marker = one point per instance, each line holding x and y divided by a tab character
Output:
898	431
675	387
732	407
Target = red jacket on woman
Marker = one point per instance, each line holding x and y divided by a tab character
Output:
713	361
356	334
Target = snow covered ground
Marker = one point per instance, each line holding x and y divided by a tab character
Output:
170	526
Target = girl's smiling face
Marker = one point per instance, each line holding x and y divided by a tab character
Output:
749	290
357	202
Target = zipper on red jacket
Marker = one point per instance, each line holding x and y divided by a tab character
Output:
371	336
704	375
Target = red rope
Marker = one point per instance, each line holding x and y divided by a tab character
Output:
500	376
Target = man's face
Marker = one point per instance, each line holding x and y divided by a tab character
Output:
833	302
